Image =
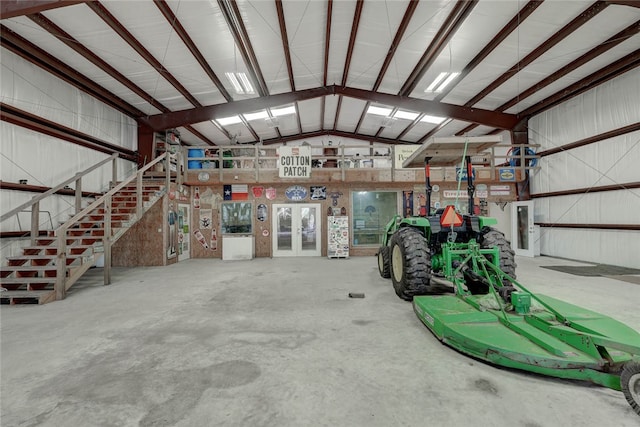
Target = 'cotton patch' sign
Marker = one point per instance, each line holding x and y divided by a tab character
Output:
294	162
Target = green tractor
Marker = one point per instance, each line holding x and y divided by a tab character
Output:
460	274
414	249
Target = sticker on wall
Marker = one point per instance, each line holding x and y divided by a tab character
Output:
265	232
206	220
214	239
261	212
200	238
257	192
335	195
318	192
407	203
270	193
196	198
295	193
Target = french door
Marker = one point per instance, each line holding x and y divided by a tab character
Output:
522	228
296	229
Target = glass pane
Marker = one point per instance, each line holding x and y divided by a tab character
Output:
523	227
283	236
236	218
308	223
372	210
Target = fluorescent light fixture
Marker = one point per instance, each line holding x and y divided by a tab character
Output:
240	83
248	88
381	111
256	116
229	120
283	111
407	115
441	82
432	119
447	81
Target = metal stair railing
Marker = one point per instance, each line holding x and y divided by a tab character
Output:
60	286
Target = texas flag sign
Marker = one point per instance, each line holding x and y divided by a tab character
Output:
236	192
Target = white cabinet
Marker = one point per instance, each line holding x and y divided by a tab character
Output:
237	248
338	237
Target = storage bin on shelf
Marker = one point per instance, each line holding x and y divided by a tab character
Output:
195	153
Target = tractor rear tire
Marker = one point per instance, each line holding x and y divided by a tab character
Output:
384	261
490	237
630	382
410	263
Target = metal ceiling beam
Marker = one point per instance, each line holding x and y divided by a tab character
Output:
197	115
14	8
330	132
325	68
347	64
408	14
556	38
186	39
74	44
27	50
460	11
116	26
632	3
605	74
16	116
474	115
284	37
232	16
511	26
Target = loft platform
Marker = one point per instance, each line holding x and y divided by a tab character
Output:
448	151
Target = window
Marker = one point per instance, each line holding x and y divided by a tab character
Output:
372	210
236	218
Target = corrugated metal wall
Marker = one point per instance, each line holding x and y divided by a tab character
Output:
612	105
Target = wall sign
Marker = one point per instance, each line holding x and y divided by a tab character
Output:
318	192
262	212
296	193
507	174
294	162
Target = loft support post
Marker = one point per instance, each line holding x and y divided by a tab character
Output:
470	187
429	189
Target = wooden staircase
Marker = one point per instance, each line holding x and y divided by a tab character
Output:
52	264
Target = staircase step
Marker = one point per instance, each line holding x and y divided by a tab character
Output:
27	297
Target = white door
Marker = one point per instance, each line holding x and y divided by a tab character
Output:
184	247
296	229
522	228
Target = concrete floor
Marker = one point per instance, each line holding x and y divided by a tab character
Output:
277	342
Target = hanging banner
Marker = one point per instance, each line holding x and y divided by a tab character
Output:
294	162
402	153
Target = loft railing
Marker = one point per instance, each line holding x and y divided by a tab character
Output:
226	161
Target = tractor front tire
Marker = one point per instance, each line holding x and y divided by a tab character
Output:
630	382
384	261
410	263
491	237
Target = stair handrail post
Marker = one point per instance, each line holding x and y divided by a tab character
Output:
35	221
61	263
106	239
114	171
139	195
78	194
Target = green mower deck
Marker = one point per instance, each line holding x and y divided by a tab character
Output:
534	342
